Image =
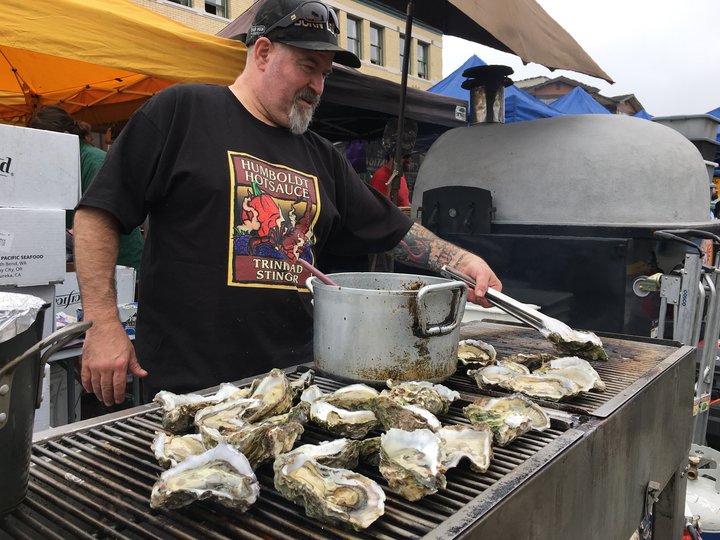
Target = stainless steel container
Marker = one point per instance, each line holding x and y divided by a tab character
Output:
376	326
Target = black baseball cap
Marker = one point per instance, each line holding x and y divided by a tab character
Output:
300	23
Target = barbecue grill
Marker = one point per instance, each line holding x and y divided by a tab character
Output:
585	476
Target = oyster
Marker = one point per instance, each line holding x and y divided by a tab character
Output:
225	416
507	417
170	450
265	439
334	496
340	453
435	398
531	361
311	394
577	370
352	424
274	392
392	414
518	368
301	383
411	462
575	342
222	474
544	386
355	397
473	443
179	409
473	352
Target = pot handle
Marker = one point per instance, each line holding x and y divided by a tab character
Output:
309	285
54	341
427	329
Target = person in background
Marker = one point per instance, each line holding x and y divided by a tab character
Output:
381	180
55	118
236	190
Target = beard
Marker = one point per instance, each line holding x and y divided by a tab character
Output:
299	118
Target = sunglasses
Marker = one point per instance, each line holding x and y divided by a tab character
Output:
310	14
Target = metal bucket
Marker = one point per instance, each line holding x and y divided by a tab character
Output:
377	326
21	372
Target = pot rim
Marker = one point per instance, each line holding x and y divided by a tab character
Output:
428	280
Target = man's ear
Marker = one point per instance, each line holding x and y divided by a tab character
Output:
261	52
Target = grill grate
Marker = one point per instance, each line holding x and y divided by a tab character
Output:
94	479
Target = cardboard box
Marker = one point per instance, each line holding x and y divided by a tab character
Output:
32	246
38	168
67	293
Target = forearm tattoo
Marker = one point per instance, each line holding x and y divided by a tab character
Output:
422	248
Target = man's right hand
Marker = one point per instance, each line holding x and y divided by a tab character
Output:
107	357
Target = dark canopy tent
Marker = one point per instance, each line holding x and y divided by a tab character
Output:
578	101
519	105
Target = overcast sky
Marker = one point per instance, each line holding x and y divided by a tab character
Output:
665	52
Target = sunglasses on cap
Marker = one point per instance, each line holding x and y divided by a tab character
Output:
312	14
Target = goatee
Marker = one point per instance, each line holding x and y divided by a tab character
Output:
300	117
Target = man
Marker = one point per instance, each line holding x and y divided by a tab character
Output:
381	179
236	190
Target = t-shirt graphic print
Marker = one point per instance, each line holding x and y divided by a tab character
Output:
272	214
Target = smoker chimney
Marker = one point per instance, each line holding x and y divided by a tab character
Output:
487	93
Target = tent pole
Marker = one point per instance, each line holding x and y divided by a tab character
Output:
397	162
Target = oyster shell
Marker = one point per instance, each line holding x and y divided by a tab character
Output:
264	440
411	462
434	398
301	383
341	453
354	397
334	496
575	342
473	443
170	450
274	392
311	394
476	353
222	474
517	368
507	417
577	370
225	416
352	424
179	409
543	386
392	414
531	361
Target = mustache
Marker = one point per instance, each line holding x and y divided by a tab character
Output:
308	95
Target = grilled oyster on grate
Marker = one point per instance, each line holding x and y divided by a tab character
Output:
392	414
531	361
545	386
577	370
517	368
434	398
334	496
473	443
354	397
264	440
352	424
411	462
507	417
476	353
179	409
301	383
575	342
222	474
170	450
274	392
341	453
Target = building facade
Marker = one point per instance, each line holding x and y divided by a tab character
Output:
369	28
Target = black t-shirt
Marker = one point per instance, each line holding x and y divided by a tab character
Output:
233	203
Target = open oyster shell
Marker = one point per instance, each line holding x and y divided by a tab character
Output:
341	453
517	368
301	383
264	440
170	450
179	409
352	424
476	353
577	370
334	496
411	462
472	443
222	474
354	397
531	361
572	342
434	398
543	386
392	414
507	417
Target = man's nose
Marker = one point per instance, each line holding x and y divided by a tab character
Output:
317	83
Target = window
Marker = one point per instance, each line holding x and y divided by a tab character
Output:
217	7
422	60
376	45
187	3
353	36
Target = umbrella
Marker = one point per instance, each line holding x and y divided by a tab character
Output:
101	60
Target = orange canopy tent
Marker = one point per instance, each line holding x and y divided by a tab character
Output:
100	60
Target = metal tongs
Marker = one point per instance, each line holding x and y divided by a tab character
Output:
541	322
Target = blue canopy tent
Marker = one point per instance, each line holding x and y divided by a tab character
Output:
519	105
642	113
578	101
